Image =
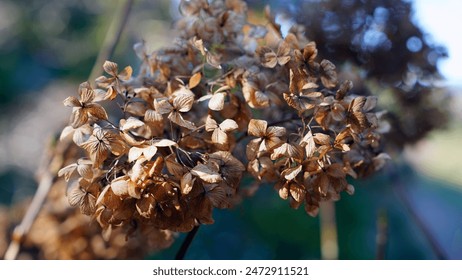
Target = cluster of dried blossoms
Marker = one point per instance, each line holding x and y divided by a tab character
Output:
229	98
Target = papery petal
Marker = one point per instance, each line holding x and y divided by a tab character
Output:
217	102
257	128
206	173
228	125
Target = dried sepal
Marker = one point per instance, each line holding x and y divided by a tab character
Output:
194	80
84	108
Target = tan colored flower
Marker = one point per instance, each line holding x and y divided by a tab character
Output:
181	102
268	137
84	195
115	78
220	131
83	167
102	143
84	107
270	59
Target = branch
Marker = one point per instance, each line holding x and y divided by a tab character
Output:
437	249
48	174
112	38
186	243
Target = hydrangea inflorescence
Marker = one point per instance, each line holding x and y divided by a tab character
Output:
228	99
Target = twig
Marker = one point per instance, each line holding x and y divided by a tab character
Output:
186	243
437	249
112	38
329	242
23	228
48	174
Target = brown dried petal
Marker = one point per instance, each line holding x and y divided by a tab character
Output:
328	74
130	124
183	102
217	196
217	101
194	80
312	210
257	128
187	182
145	205
275	131
85	170
297	192
79	117
213	60
219	137
179	120
283	53
228	125
110	68
284	192
126	74
174	167
119	186
72	101
199	44
162	106
152	116
164	143
206	173
309	144
85	200
67	171
96	111
336	170
291	173
370	103
268	57
210	124
345	87
321	139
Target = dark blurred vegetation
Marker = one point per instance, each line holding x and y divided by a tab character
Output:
375	43
379	45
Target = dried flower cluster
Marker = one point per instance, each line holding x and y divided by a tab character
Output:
229	98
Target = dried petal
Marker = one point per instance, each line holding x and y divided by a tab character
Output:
206	173
194	80
217	101
257	128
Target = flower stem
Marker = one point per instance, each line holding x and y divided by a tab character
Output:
434	244
112	37
186	243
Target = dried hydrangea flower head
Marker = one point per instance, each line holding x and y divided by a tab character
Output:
229	98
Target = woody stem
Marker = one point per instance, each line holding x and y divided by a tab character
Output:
186	243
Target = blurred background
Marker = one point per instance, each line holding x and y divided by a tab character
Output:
405	52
